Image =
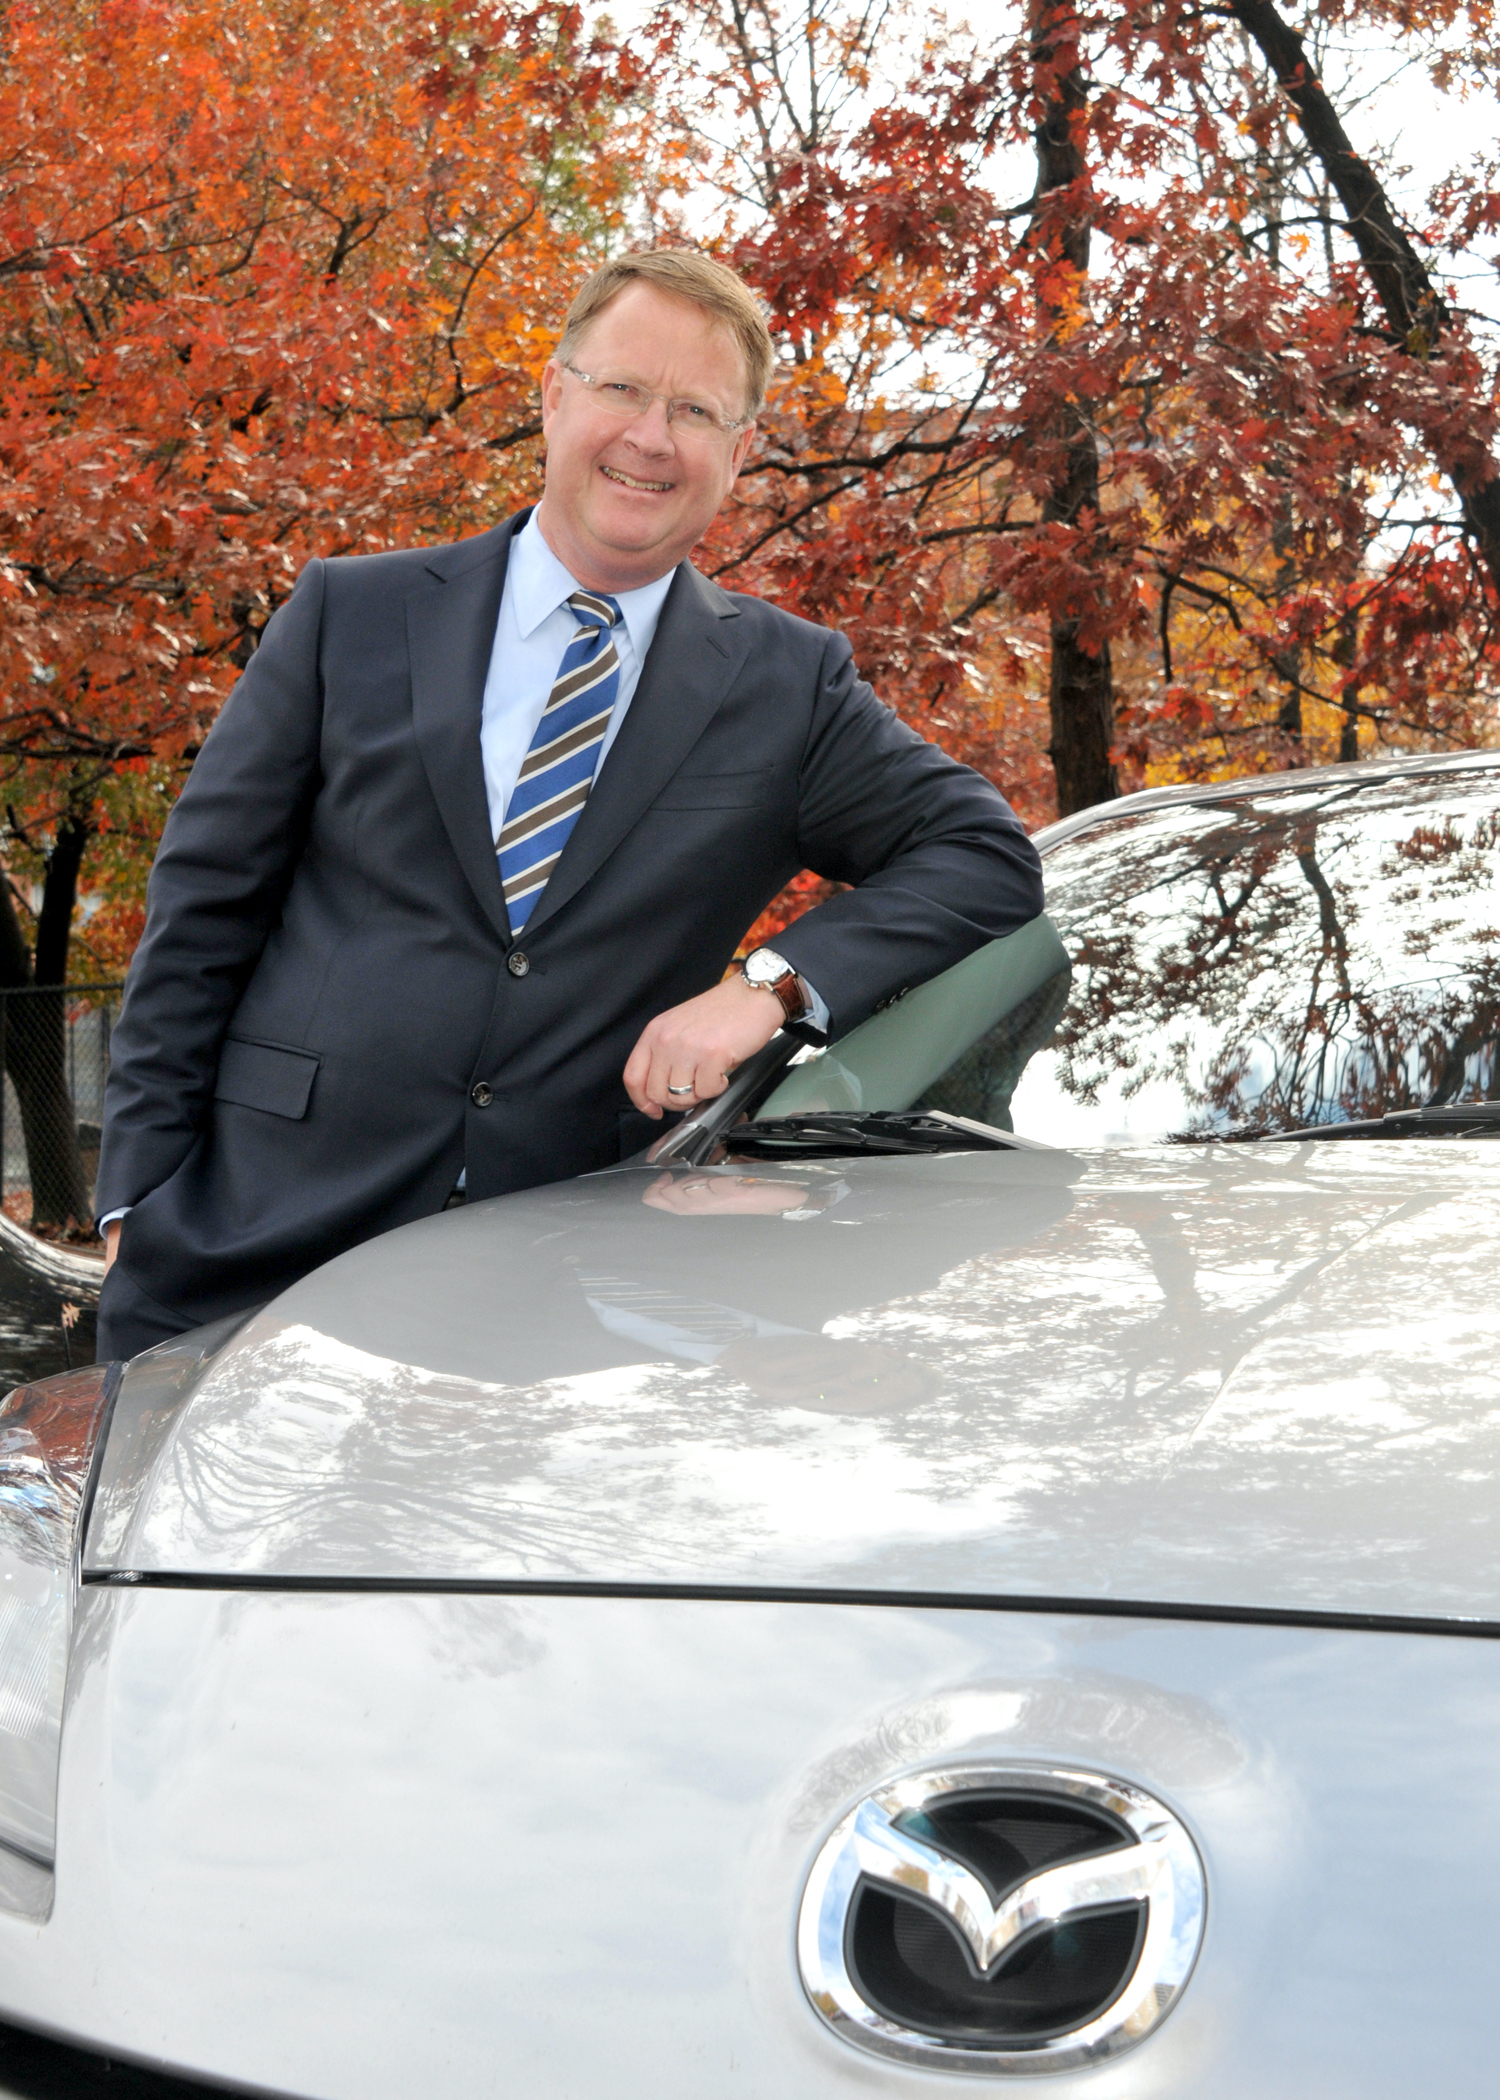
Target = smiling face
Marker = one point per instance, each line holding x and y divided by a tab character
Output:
626	500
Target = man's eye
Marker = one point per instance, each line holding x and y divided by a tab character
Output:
696	412
618	386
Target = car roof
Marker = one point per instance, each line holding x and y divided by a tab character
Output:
1294	781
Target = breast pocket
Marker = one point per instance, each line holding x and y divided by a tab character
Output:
745	788
267	1076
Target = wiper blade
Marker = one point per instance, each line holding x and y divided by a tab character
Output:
1447	1119
842	1133
720	1125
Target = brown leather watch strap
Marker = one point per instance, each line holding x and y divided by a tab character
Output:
788	990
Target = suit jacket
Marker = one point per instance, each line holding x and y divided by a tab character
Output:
328	1017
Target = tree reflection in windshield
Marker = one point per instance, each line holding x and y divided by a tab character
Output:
1286	958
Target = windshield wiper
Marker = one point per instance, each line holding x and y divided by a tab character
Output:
1448	1119
841	1133
693	1141
720	1125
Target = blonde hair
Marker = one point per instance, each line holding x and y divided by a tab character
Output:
683	274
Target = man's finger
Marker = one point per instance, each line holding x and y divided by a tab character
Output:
637	1076
670	1068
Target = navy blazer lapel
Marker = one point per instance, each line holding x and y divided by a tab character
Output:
450	632
693	661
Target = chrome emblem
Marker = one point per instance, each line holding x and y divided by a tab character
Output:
918	1938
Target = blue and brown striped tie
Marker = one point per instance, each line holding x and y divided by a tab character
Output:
558	769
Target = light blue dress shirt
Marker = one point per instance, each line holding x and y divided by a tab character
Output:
534	629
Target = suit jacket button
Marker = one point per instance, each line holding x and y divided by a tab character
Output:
481	1094
517	962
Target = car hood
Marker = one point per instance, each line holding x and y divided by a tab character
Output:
1261	1377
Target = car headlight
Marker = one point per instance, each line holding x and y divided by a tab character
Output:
49	1435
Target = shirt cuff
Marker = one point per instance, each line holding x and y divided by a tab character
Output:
113	1217
817	1012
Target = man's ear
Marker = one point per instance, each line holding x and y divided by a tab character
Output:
552	379
742	445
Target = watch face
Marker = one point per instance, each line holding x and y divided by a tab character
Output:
766	967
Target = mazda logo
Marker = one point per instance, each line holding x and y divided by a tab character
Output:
1001	1917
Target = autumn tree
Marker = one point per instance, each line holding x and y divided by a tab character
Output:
1378	608
1417	316
1179	468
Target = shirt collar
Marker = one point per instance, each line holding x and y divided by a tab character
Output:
539	584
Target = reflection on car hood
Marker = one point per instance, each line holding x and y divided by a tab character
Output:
1207	1376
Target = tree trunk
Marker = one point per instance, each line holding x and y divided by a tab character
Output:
1288	658
1413	308
1345	649
15	956
54	926
1082	693
35	1035
1082	699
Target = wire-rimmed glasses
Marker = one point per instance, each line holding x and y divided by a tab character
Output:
688	418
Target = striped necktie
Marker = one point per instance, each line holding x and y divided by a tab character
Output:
558	769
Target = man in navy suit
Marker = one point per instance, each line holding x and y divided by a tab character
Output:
448	898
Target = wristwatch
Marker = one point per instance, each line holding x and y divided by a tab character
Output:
770	972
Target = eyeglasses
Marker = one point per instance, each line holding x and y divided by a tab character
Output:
623	398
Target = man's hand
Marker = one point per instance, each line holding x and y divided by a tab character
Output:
698	1045
111	1244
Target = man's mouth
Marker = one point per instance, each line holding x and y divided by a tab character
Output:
629	481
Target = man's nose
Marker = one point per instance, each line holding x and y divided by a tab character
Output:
650	431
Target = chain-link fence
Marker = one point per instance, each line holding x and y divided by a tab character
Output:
54	1052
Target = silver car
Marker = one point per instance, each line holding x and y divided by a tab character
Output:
977	1559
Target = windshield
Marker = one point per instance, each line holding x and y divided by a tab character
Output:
1278	960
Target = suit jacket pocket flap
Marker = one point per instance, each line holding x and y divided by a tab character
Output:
263	1075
